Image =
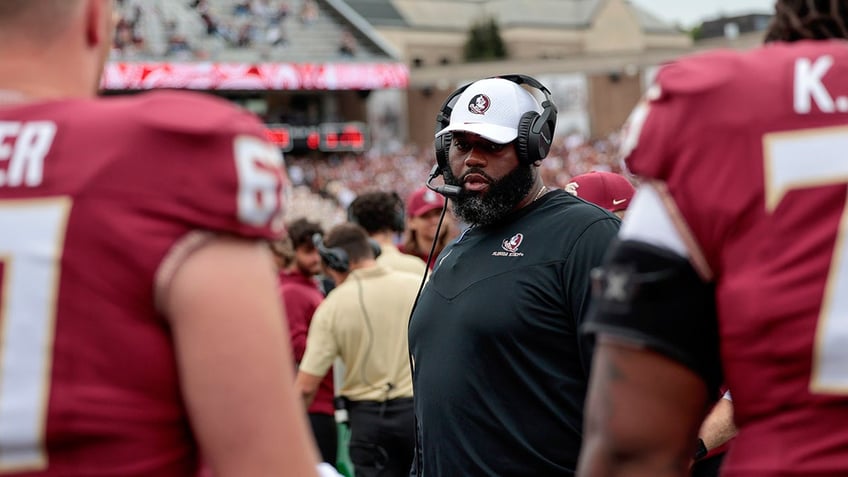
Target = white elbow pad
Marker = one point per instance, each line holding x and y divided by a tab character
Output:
327	470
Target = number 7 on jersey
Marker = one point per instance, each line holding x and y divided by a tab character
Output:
806	159
31	244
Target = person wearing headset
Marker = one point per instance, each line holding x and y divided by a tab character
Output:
298	264
363	321
500	371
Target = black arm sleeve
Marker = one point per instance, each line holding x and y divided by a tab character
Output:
654	297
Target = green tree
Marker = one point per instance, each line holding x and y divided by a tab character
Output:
695	33
484	42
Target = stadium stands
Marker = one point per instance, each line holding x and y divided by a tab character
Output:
324	188
309	31
244	31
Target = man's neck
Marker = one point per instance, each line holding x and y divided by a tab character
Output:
9	97
384	238
13	92
363	264
24	80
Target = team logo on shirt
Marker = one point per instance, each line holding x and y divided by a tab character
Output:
510	246
479	104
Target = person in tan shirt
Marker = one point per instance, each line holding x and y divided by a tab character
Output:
363	321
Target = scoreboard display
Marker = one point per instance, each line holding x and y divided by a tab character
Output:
325	137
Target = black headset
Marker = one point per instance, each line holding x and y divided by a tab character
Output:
398	212
535	131
336	258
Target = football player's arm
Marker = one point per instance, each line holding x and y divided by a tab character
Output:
656	360
235	362
655	364
642	414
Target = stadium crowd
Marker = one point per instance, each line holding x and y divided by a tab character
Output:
200	29
324	187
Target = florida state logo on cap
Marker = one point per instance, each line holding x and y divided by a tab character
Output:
479	104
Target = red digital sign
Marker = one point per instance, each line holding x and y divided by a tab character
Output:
325	137
343	137
280	137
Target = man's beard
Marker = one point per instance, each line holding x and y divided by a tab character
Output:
308	270
492	205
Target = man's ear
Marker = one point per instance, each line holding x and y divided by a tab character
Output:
98	22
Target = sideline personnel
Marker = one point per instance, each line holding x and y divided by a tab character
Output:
500	371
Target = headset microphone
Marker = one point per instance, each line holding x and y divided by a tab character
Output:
449	191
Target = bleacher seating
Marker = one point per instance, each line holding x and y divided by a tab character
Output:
177	30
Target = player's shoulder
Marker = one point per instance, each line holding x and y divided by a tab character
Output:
184	112
698	73
711	70
804	48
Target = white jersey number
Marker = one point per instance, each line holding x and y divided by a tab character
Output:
824	163
261	182
31	244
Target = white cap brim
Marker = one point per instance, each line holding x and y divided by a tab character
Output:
491	132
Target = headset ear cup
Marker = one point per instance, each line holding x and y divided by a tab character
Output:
442	148
526	144
376	249
335	258
544	147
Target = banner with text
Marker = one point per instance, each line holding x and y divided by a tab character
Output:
259	76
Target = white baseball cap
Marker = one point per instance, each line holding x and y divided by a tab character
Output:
492	109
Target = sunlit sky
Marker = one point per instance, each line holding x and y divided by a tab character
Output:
688	13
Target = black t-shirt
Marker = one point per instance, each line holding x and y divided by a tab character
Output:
500	368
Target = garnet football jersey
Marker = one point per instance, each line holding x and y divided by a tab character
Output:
749	154
97	200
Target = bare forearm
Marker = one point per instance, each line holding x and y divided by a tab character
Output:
308	397
307	387
599	460
639	423
718	427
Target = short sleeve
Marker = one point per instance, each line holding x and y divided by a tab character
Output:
588	253
215	167
667	118
647	136
321	347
